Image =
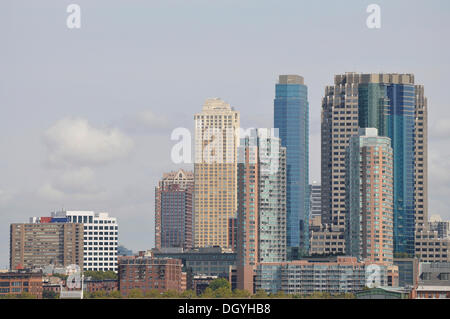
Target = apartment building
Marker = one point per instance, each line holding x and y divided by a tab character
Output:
215	200
54	242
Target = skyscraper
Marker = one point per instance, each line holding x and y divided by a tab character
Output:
291	117
173	210
261	217
387	102
216	140
369	198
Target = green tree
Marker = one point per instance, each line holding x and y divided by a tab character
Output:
260	293
223	292
153	293
115	294
320	295
50	294
281	295
171	294
219	283
238	293
188	294
135	293
208	293
26	295
101	294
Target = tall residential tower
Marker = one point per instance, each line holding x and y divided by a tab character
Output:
369	182
216	140
173	210
261	217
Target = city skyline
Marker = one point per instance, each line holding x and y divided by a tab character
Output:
39	172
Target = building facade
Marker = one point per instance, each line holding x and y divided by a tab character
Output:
430	248
433	281
407	271
147	273
107	285
390	103
173	210
369	198
50	242
291	118
248	213
315	200
20	282
324	242
337	276
442	227
101	236
214	261
215	201
261	204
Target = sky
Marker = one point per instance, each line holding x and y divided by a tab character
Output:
87	113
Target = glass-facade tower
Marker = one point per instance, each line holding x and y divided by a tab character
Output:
291	118
390	107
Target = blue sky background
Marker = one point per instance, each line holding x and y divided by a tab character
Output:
137	69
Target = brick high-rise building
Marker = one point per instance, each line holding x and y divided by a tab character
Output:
216	141
369	182
173	210
37	245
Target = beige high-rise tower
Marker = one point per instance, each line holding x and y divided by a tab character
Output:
215	201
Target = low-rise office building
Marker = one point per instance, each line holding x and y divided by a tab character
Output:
214	261
146	272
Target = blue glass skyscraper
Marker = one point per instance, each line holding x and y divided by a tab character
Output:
291	118
390	108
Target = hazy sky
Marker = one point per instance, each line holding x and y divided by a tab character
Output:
87	113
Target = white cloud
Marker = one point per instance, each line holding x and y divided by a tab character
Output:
48	192
440	128
71	186
152	120
77	181
74	141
